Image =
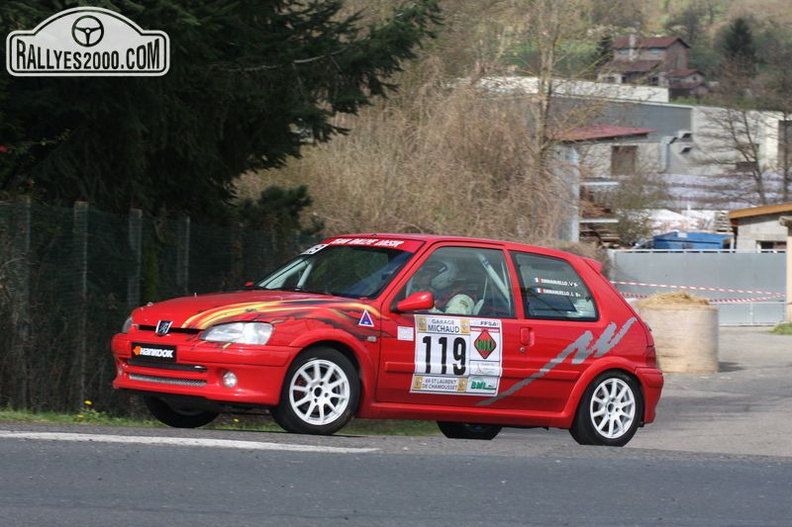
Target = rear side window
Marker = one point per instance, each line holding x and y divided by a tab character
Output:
551	289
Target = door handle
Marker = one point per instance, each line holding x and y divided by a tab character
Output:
527	338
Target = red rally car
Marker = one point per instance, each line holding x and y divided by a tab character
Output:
474	334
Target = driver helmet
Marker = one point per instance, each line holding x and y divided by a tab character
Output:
437	274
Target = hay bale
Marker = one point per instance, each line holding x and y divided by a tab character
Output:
673	300
685	330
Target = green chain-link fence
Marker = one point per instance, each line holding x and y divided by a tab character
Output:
69	277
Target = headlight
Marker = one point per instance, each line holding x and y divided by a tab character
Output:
239	332
127	325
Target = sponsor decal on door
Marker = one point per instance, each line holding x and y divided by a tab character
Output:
457	355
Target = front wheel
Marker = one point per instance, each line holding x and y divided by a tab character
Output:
320	393
468	430
609	412
177	416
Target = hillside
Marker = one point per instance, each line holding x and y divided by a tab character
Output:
775	11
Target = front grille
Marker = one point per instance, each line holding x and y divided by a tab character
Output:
166	380
166	366
186	331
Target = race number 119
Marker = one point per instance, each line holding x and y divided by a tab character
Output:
441	354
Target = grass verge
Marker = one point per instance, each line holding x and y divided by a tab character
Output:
245	422
783	329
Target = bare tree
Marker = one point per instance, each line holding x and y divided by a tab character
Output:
748	134
777	85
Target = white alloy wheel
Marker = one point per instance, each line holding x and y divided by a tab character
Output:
612	408
319	392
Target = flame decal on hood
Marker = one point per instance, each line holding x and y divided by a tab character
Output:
286	308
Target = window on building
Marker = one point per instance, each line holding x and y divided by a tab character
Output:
770	246
744	166
623	160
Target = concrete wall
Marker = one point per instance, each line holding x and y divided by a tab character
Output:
595	158
715	129
697	140
751	231
575	88
737	283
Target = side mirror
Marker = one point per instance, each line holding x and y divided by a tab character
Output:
416	302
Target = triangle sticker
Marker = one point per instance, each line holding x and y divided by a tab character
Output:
366	320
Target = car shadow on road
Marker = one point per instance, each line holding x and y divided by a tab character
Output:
725	367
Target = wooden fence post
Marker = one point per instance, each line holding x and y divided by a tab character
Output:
80	261
183	254
20	308
135	236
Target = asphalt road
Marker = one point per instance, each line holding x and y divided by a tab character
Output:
100	484
745	408
719	454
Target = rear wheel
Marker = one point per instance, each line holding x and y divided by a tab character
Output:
468	430
320	393
178	416
609	412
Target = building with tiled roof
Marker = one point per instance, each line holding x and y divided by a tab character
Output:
760	228
655	61
647	43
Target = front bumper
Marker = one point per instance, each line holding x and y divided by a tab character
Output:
199	369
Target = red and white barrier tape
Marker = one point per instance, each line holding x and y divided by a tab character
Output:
697	288
717	300
767	295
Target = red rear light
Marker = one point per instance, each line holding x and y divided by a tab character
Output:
651	356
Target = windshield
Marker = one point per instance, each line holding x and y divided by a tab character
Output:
349	271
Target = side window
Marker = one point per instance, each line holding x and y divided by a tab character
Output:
465	281
552	289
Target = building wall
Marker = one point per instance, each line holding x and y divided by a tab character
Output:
688	139
688	145
752	231
695	140
716	131
596	158
673	57
575	88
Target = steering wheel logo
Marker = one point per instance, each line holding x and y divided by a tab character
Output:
87	31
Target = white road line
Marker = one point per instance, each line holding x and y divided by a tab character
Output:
181	441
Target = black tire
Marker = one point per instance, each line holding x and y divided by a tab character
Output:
610	411
320	393
468	430
178	416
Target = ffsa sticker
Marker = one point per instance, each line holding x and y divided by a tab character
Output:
457	355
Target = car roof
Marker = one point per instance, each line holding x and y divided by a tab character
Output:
436	238
431	238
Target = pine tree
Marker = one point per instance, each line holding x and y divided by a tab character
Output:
248	81
738	48
604	52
